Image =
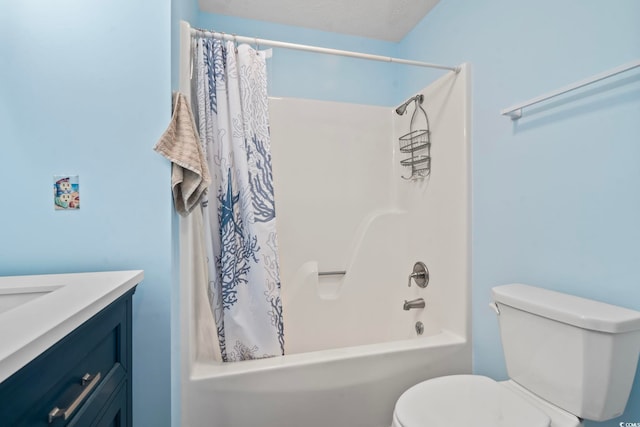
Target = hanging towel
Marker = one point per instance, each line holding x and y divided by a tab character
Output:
180	144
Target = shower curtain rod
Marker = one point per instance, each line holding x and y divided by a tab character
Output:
316	49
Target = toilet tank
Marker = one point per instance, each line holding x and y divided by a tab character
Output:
578	354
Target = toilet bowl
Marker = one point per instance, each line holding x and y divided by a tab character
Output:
474	400
568	359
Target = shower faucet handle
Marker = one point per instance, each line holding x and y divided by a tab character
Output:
412	276
420	275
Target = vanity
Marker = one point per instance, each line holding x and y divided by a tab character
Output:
65	349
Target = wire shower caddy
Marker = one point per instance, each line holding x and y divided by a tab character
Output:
416	142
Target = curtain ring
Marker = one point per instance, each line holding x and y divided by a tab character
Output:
257	47
235	43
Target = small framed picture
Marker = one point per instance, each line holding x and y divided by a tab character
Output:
66	192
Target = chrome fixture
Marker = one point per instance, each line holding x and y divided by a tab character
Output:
332	273
414	303
420	275
417	142
515	112
419	328
403	108
493	306
88	382
200	32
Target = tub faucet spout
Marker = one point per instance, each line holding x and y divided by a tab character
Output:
414	303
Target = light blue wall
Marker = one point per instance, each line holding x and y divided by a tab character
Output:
84	89
310	75
186	10
556	196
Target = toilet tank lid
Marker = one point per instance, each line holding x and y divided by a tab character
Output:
576	311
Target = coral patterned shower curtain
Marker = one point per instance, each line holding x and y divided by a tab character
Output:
244	283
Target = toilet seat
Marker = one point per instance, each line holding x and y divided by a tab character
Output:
465	400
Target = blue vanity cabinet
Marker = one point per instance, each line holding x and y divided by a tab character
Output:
83	380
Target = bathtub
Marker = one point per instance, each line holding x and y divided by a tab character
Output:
323	381
354	386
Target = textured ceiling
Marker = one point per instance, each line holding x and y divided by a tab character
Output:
387	20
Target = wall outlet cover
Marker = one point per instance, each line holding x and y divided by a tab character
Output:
66	192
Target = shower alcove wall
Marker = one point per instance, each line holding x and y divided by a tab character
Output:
342	205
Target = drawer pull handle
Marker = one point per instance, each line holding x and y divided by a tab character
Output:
89	383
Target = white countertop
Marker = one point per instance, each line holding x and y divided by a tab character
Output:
29	329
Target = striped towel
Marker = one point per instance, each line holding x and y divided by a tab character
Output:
180	144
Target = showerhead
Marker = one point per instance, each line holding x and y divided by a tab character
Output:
403	108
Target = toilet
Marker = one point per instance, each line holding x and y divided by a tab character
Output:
568	359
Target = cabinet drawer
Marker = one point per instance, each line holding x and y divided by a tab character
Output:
54	379
114	414
108	395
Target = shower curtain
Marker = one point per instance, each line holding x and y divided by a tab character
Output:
244	283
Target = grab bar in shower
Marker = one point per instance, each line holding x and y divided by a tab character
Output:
332	273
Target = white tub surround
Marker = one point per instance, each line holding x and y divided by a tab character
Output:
350	348
42	309
344	210
343	206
